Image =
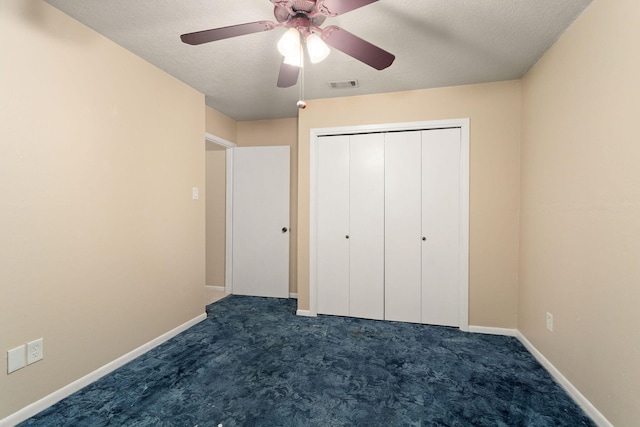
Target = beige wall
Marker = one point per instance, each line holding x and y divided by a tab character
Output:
102	247
216	217
278	132
494	111
220	125
580	232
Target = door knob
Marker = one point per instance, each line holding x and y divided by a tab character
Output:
424	238
285	229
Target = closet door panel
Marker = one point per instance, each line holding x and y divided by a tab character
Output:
441	226
366	236
333	225
403	225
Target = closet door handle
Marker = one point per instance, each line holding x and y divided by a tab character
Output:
285	229
424	238
346	237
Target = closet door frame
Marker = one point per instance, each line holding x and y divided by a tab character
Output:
463	125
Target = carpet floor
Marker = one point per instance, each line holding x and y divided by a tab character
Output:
252	362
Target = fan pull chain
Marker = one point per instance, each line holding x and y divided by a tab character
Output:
301	104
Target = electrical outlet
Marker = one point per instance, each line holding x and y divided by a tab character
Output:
550	322
35	351
15	359
195	193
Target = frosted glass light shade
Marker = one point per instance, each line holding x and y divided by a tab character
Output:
295	59
289	44
317	48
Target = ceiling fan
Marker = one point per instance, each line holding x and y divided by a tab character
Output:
303	19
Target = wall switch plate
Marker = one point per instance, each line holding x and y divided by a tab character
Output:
195	193
550	322
35	351
16	359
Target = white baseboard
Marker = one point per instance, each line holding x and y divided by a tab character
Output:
293	295
573	392
493	331
216	288
305	313
42	404
578	397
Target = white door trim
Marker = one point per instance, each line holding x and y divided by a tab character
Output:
228	262
228	145
463	124
219	141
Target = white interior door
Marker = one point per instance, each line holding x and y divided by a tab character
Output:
441	225
403	225
333	225
260	253
366	226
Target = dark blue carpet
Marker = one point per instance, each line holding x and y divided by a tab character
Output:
252	362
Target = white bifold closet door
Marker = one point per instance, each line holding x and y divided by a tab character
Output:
366	226
441	221
350	225
333	225
403	226
388	226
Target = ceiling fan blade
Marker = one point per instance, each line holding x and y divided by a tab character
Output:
357	48
338	7
288	75
206	36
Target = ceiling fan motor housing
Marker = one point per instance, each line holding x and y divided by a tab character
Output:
303	5
294	17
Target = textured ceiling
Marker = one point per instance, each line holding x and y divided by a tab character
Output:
437	43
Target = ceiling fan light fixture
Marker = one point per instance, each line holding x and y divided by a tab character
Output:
317	48
289	44
294	59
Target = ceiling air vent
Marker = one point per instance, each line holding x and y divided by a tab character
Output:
346	84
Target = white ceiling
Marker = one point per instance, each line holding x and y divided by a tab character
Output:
437	43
